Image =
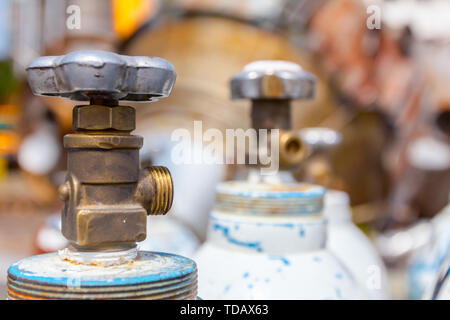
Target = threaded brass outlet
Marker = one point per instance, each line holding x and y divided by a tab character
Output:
163	198
292	150
155	190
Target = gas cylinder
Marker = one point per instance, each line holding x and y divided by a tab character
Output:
266	237
267	241
423	267
345	239
107	196
441	287
353	247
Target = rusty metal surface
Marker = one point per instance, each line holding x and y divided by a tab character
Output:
269	199
150	276
120	118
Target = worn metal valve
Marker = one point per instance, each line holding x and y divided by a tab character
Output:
107	195
271	85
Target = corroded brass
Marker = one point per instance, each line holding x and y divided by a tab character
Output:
93	117
155	178
107	196
291	149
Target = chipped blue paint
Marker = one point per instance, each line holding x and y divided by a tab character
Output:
338	275
227	288
267	280
250	286
285	261
302	232
317	259
245	275
226	232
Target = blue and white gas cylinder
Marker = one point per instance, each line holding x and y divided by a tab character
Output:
424	265
352	247
268	241
148	275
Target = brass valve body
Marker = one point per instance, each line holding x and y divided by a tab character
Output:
107	196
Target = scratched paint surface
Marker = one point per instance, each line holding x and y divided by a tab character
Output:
148	267
269	199
271	242
264	234
263	190
309	275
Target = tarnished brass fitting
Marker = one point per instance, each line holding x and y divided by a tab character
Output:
291	149
93	117
155	190
107	195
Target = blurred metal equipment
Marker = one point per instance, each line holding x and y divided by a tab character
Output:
271	85
107	196
320	138
400	71
426	266
271	234
204	48
317	168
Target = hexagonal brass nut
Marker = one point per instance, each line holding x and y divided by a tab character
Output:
94	117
